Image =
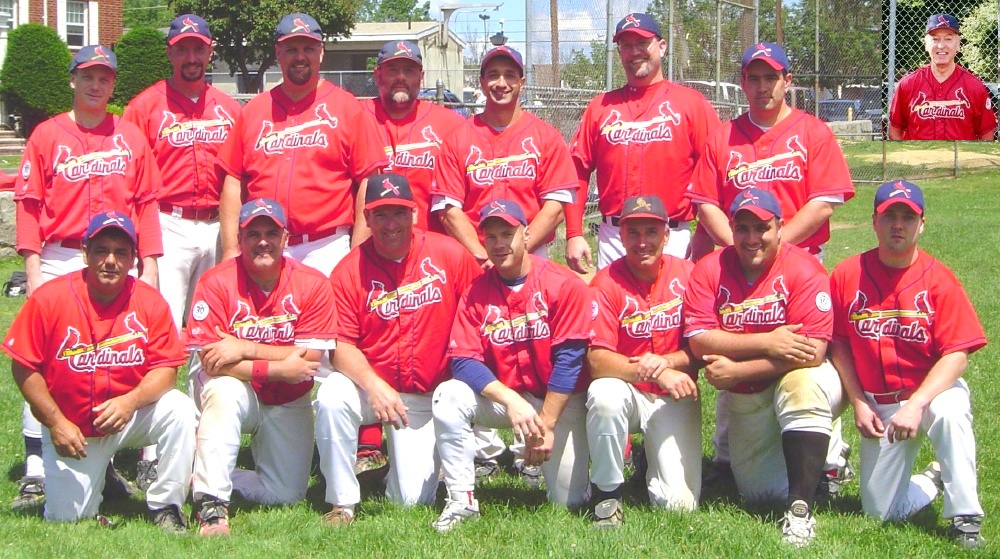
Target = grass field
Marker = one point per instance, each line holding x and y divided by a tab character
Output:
962	230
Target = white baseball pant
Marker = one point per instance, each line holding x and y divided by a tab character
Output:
189	250
341	408
73	487
282	443
889	492
323	254
802	400
671	433
610	248
456	407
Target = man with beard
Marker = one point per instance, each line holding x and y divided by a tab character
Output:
942	100
185	121
643	138
307	144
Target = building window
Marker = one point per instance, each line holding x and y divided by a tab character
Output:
76	23
8	15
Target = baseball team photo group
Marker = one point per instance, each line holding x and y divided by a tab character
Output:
381	322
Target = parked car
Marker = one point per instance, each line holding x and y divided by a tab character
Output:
834	110
729	101
451	100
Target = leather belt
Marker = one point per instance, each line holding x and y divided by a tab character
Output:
294	240
892	397
69	243
204	214
615	220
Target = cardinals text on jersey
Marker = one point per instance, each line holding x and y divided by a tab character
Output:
518	166
657	129
532	325
119	351
307	134
788	166
278	329
408	297
75	168
766	310
207	131
909	325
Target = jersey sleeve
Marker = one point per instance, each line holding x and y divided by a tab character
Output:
706	180
558	172
230	156
809	298
318	316
705	125
164	347
449	176
345	288
25	341
208	312
956	326
699	297
827	172
466	339
573	312
581	152
841	323
30	181
606	321
899	106
366	145
987	120
148	184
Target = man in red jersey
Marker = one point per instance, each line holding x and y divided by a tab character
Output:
517	349
644	375
643	138
307	144
941	101
395	298
758	312
504	153
261	322
95	354
903	332
77	165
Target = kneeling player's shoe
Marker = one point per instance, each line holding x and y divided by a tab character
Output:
530	475
213	516
833	481
798	527
608	514
486	467
145	473
719	476
457	511
371	465
117	487
339	516
933	473
169	519
30	493
965	531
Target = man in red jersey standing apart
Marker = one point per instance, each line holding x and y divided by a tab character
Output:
505	153
644	375
903	332
307	144
77	165
395	296
643	138
941	101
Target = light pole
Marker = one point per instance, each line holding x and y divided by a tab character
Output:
486	32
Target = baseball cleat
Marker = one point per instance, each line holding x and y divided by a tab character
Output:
145	474
116	486
371	465
169	519
933	473
213	515
456	512
608	514
30	493
965	531
833	481
798	527
339	516
530	475
486	467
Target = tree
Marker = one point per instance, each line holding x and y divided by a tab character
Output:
979	41
394	10
584	71
145	13
244	31
36	86
142	61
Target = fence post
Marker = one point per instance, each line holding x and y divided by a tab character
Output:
955	163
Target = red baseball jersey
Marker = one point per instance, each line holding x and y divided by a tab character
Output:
75	173
640	142
957	109
89	352
795	290
797	159
634	317
399	314
513	332
185	137
299	311
900	321
413	146
522	162
307	155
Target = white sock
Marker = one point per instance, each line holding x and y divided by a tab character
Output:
33	466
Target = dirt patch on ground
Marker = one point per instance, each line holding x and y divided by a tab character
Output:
936	158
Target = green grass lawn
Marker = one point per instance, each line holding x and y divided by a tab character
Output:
962	230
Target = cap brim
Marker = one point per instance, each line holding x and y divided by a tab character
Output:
306	35
92	63
490	57
247	221
390	202
404	57
645	33
174	40
953	30
508	219
758	211
905	201
644	215
110	226
770	62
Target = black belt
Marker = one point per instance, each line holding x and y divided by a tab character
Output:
615	220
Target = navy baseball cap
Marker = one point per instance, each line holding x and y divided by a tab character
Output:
262	207
503	50
298	25
942	21
94	55
761	203
388	189
638	23
772	53
399	49
650	207
109	220
188	25
899	192
507	210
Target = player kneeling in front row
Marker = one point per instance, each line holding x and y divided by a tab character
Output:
95	354
395	297
644	375
759	313
903	332
517	349
263	322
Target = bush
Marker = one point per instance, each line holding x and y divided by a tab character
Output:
34	80
142	61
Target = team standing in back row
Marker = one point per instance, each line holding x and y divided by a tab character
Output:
379	286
